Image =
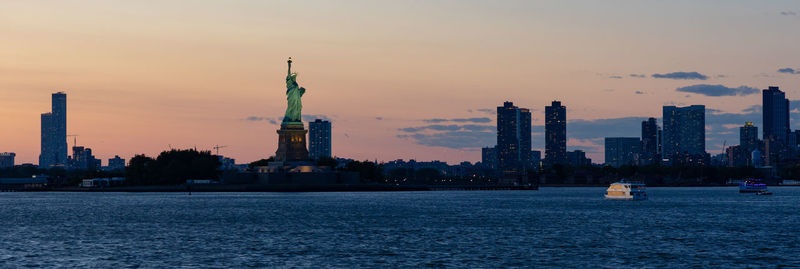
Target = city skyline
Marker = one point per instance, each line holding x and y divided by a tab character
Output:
220	77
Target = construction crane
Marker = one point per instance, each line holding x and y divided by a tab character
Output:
74	139
724	143
217	147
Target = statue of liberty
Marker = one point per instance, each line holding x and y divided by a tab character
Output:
293	94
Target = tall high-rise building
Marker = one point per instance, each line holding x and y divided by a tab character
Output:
54	133
319	139
775	115
525	137
555	129
684	131
650	142
508	138
621	151
748	137
513	139
489	157
7	159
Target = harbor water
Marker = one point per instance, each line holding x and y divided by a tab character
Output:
552	227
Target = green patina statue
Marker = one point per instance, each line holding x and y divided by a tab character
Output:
293	94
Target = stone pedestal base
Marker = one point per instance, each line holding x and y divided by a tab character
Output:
291	143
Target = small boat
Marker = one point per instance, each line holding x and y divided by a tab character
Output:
764	192
626	191
752	185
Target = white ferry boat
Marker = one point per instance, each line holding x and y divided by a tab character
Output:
626	191
752	185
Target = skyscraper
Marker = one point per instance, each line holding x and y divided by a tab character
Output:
508	138
684	131
319	139
54	133
748	136
621	151
555	128
525	137
775	115
650	142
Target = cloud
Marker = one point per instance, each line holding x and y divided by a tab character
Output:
752	109
617	77
474	120
255	118
314	117
682	75
272	121
450	127
638	75
589	129
455	136
463	140
788	71
718	90
379	118
593	145
487	110
639	92
788	13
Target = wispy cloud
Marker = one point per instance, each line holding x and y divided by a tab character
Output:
616	77
314	117
449	127
788	71
463	140
752	109
788	13
474	120
718	90
638	75
682	75
639	92
272	121
487	111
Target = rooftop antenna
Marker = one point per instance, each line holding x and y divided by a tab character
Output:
74	139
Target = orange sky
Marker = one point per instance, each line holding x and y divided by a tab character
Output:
143	75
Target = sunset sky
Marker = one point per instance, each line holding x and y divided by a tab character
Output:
402	79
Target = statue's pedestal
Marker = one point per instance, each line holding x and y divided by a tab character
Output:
291	143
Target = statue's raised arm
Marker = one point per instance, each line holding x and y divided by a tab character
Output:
289	73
